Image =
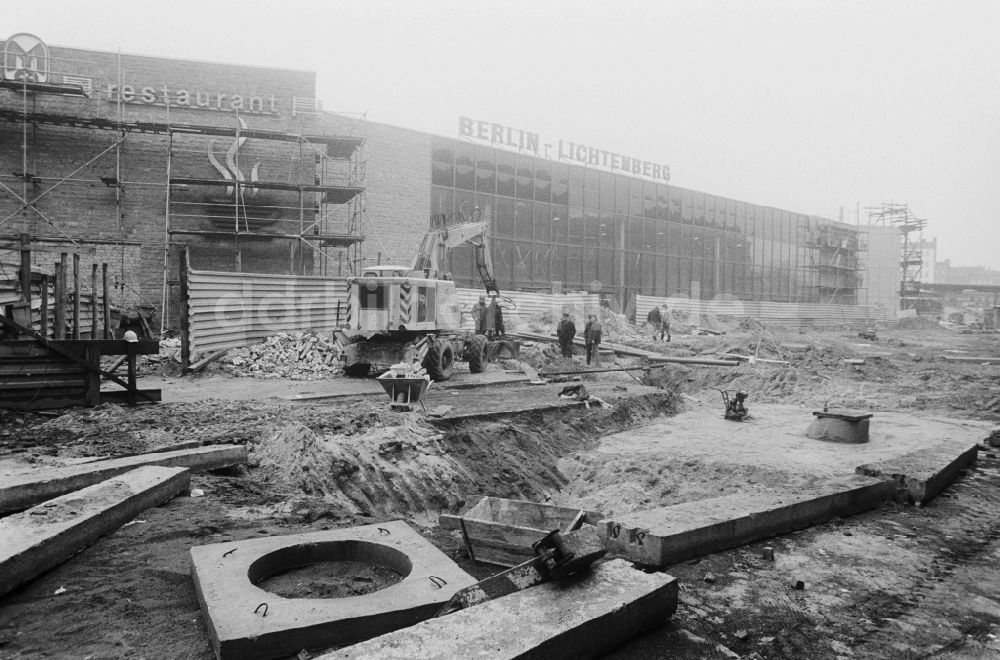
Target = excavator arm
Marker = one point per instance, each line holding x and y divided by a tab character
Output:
434	248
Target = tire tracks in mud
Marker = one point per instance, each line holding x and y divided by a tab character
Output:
953	602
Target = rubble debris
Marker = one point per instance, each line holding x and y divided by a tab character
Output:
768	553
31	545
299	356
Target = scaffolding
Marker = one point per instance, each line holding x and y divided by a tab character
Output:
911	256
833	254
315	203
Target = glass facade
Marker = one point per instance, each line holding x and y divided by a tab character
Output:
597	231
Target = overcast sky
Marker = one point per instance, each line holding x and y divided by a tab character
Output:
804	105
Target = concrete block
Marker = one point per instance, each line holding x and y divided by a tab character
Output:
40	538
666	535
24	489
225	576
580	617
921	475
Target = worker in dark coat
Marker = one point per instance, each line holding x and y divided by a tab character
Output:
479	315
494	313
592	337
653	320
565	332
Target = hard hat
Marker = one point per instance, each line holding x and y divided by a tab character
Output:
131	337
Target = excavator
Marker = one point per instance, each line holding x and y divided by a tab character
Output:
411	315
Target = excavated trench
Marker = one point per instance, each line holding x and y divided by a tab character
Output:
418	470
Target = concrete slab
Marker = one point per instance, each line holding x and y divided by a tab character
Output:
24	489
666	535
921	475
40	538
775	438
225	575
577	618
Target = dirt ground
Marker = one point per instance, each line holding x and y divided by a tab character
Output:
901	581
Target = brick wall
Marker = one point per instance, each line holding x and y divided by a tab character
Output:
126	224
398	190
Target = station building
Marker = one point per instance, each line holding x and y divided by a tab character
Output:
134	160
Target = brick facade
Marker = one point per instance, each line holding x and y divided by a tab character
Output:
74	168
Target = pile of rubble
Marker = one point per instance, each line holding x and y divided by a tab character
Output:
300	356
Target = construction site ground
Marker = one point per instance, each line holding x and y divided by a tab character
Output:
898	581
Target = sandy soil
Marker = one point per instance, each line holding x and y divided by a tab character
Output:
873	587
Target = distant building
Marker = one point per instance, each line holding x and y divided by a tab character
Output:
967	275
139	159
928	252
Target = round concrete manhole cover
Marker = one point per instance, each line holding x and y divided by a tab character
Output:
338	569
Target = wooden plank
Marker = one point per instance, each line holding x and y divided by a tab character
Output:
93	301
121	396
47	535
44	317
78	347
55	346
107	301
76	296
22	490
25	270
32	383
92	387
185	321
60	268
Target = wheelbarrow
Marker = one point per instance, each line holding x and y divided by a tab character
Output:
404	392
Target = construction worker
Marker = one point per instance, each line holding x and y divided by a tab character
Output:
493	323
479	315
665	323
592	337
654	319
565	332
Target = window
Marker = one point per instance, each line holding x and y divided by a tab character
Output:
543	182
425	302
575	227
442	163
505	174
504	225
442	202
372	296
649	200
559	226
486	170
662	202
576	186
591	189
560	184
674	199
608	191
523	219
525	177
465	166
543	223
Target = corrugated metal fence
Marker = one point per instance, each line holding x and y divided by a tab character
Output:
228	310
526	304
792	315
